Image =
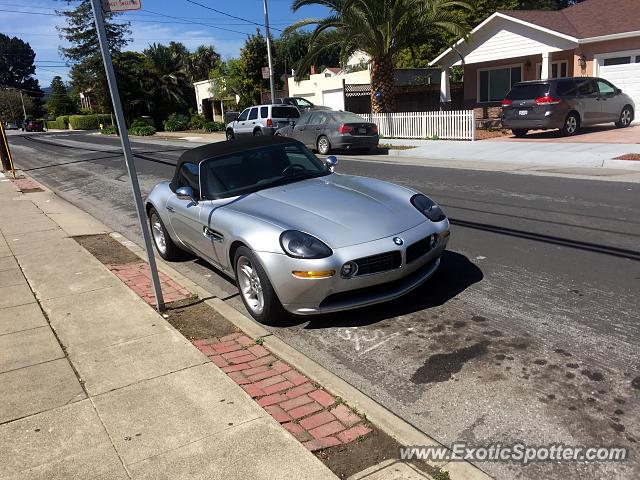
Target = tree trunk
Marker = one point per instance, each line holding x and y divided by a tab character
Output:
382	95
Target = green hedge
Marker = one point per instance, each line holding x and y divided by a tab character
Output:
210	126
89	122
60	123
143	131
109	130
176	123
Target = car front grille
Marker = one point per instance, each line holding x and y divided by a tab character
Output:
418	249
378	263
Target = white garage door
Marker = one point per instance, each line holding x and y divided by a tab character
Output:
333	99
623	70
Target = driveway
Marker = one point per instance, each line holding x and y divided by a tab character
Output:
597	134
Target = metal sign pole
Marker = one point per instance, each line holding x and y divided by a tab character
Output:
126	148
271	81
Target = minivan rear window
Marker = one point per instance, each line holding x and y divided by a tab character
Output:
285	112
528	91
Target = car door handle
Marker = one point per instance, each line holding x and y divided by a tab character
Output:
212	235
171	209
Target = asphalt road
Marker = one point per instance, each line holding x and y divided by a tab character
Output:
530	331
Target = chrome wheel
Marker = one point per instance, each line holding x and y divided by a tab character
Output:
158	234
250	285
625	118
323	145
571	125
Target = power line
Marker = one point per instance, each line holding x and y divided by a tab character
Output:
196	23
229	15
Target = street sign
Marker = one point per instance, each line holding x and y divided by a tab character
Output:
266	73
120	5
126	146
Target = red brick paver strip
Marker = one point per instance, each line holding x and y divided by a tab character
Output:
137	277
346	416
323	398
307	412
353	433
314	421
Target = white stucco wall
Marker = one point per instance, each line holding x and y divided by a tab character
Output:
315	87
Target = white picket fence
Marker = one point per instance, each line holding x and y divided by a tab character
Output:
445	125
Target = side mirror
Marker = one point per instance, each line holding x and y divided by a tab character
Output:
618	91
186	193
331	163
292	123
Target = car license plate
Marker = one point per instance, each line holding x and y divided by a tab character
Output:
362	131
523	112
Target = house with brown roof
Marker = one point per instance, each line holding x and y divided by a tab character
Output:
598	38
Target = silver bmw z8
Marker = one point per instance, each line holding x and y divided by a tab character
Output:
298	237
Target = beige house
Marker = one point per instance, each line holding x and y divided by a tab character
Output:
593	38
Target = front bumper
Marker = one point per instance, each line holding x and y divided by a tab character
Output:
315	296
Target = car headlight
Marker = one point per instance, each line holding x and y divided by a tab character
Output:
302	245
428	207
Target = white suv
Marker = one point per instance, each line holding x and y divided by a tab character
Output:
262	120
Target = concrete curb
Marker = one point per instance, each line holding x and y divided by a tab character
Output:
381	417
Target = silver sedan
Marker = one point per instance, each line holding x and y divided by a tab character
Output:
298	237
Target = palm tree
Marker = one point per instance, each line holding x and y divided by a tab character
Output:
379	28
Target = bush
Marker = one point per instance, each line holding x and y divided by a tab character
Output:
143	131
110	130
142	122
89	122
60	123
197	122
176	123
210	126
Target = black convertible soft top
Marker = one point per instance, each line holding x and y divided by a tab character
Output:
229	147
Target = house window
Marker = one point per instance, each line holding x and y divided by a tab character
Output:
559	69
495	83
616	61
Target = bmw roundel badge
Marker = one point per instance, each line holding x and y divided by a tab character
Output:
398	241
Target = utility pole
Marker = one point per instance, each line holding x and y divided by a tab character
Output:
24	110
271	80
126	148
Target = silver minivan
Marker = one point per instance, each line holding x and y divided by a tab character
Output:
566	104
261	120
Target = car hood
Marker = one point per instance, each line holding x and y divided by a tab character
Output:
341	210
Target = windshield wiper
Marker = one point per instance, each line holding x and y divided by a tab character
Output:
294	178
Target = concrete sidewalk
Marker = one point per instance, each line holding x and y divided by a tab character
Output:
94	384
550	153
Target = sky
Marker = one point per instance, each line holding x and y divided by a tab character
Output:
160	21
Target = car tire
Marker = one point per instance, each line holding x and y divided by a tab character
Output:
571	125
520	132
323	145
257	132
253	282
626	117
230	135
165	247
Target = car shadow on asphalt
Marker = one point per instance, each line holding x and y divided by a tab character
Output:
455	275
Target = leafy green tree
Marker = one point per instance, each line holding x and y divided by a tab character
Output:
60	102
87	73
173	90
294	46
201	62
137	82
17	67
381	29
11	105
243	76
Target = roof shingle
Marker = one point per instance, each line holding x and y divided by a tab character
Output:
590	18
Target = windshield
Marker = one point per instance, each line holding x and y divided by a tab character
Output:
257	169
347	117
303	103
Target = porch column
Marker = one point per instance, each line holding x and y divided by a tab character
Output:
445	86
545	74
